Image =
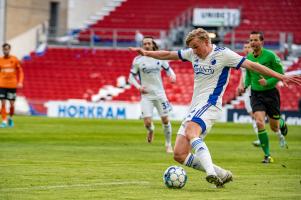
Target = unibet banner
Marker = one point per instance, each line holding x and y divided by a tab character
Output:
216	17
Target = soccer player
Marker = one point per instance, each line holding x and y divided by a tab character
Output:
241	88
211	65
265	99
152	90
11	78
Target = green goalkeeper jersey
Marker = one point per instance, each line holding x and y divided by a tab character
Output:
268	59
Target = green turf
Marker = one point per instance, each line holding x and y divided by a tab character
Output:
42	158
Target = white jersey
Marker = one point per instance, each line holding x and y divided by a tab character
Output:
211	75
149	72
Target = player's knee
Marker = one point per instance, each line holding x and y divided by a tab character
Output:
260	124
191	131
180	158
147	122
165	121
274	128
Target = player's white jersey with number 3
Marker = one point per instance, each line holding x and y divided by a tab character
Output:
149	71
211	75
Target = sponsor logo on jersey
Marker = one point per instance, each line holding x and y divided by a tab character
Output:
206	69
219	48
7	70
150	70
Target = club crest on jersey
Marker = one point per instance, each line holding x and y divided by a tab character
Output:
213	61
206	70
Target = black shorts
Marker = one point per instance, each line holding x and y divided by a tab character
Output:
8	93
268	101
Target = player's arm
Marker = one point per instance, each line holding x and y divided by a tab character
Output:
133	81
169	71
160	55
268	72
171	75
20	75
276	67
132	78
241	87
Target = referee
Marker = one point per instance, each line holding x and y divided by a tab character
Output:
265	99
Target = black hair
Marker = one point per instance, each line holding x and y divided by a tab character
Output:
259	33
6	45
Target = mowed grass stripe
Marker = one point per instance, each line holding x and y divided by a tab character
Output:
52	158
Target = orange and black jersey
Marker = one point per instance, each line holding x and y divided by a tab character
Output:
11	72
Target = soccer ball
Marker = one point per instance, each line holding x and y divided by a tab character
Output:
175	177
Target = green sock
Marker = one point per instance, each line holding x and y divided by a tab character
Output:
282	122
264	141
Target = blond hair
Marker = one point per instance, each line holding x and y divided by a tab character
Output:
199	33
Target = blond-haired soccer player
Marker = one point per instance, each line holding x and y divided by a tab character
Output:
211	65
152	91
11	78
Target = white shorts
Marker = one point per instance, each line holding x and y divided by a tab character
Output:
204	115
247	100
162	105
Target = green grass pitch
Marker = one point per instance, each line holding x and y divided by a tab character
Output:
43	158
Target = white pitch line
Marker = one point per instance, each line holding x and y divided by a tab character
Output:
44	187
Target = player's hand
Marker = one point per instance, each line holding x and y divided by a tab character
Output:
138	50
240	89
287	79
172	79
262	81
20	85
143	90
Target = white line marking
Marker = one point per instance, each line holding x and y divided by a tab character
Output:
44	187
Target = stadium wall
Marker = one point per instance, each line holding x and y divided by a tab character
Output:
110	110
79	11
23	15
128	110
28	41
2	21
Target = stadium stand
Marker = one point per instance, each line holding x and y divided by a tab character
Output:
64	73
267	17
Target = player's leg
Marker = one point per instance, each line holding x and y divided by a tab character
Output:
182	155
259	110
147	113
149	125
199	122
11	113
3	107
256	143
248	108
192	132
11	96
3	114
263	135
277	124
163	107
167	133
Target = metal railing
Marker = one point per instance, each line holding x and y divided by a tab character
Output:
106	37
